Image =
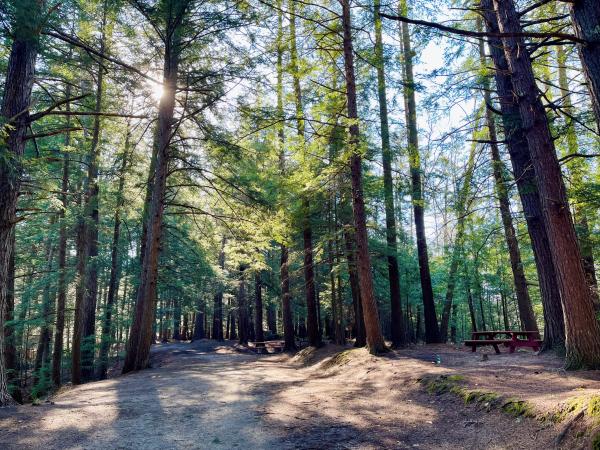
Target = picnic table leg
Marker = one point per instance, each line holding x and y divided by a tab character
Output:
532	338
496	349
473	348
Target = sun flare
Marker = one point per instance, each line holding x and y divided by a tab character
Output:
157	91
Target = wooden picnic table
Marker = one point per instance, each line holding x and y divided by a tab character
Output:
513	340
259	346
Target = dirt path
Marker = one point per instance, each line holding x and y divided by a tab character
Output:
206	396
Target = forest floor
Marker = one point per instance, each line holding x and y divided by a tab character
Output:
208	395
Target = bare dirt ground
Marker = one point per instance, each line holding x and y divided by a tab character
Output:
207	395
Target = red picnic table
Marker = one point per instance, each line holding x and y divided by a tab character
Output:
480	338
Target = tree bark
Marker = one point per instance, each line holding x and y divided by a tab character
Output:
396	317
582	329
14	110
375	342
432	331
524	175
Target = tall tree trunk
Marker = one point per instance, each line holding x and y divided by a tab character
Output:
115	268
524	175
140	336
359	323
91	214
286	307
375	342
396	319
199	331
217	325
581	326
523	300
14	111
312	322
242	308
185	329
258	308
59	326
432	331
585	15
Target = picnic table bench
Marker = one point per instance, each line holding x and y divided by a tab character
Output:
529	339
264	346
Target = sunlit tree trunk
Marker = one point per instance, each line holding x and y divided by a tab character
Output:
140	336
